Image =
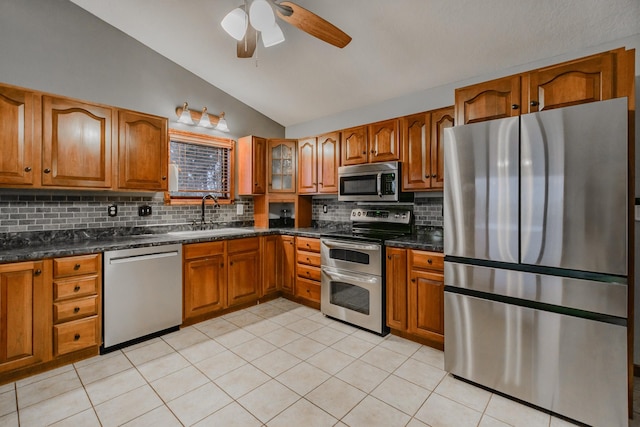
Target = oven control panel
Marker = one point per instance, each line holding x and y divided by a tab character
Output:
397	216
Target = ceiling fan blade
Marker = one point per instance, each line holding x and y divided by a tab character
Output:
312	24
247	46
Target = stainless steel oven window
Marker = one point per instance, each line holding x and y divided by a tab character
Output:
349	255
349	296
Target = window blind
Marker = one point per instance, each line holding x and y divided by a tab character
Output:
202	169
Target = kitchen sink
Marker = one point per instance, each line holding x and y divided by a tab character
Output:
209	233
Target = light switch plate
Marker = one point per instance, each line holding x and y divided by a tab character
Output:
239	209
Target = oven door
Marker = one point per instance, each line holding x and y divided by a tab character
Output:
363	257
353	297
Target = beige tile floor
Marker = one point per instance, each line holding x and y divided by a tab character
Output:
274	364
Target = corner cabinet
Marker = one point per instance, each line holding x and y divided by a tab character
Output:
19	137
76	143
25	314
252	157
142	152
282	164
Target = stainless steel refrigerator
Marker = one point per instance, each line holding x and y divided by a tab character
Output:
535	224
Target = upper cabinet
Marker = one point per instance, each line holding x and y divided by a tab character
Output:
328	162
307	166
384	141
354	146
423	149
77	143
142	151
252	157
590	79
19	136
282	166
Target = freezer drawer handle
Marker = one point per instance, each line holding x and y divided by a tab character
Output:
142	257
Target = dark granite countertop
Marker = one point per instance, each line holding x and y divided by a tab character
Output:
41	248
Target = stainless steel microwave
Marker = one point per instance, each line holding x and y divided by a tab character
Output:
371	182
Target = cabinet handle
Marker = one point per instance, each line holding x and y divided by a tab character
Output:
76	309
76	288
429	261
76	337
37	272
514	106
388	256
534	103
76	267
413	280
47	170
164	178
27	169
319	183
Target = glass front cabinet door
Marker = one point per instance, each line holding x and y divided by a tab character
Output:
282	166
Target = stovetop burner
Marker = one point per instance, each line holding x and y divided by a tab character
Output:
377	224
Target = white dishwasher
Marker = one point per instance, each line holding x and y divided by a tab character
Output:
142	294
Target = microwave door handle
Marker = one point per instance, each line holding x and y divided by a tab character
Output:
379	184
344	277
346	245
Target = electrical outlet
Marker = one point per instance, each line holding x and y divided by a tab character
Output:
324	208
144	210
112	210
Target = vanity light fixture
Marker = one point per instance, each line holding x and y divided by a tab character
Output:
201	119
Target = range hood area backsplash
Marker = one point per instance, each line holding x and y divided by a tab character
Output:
46	212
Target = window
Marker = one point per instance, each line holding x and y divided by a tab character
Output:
199	164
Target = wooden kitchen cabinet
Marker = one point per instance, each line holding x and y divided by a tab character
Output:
271	253
252	171
282	164
396	280
491	100
287	264
20	115
384	141
328	162
77	307
25	315
244	274
77	143
308	276
355	148
204	279
307	166
142	152
441	119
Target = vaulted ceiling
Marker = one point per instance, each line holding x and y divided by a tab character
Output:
399	47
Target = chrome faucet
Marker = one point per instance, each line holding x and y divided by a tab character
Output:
215	205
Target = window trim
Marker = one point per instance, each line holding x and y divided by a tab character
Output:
209	140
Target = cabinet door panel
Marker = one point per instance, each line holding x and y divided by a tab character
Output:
440	120
287	263
487	101
354	146
397	288
282	166
384	141
244	277
426	304
76	144
205	284
19	116
587	80
328	162
142	152
307	162
271	249
416	170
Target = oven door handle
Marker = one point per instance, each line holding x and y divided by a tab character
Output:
341	276
347	245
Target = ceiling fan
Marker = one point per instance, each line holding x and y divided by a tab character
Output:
262	19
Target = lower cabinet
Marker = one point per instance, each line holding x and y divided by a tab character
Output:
25	309
287	264
415	294
308	269
205	278
244	275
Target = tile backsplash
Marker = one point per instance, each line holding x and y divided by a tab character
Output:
45	212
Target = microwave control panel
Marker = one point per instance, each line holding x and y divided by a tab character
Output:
388	183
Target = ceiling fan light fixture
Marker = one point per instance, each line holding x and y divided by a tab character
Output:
261	15
235	23
222	124
272	36
185	116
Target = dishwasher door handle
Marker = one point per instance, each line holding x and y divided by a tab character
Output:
135	258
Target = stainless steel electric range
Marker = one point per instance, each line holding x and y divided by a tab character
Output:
353	268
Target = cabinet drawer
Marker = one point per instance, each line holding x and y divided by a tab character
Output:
308	258
199	250
308	244
243	245
309	272
76	265
76	335
426	260
75	309
308	289
81	287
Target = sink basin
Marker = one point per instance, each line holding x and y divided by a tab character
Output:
208	233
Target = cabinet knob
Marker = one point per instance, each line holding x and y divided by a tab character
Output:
47	170
221	265
76	288
230	262
27	169
164	178
319	183
76	309
76	267
514	106
364	152
534	103
37	272
256	184
413	280
388	256
433	176
429	261
76	337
